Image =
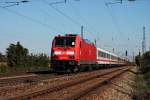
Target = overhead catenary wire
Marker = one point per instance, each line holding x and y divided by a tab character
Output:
46	12
29	18
113	19
68	17
84	21
13	3
58	2
63	14
115	22
95	36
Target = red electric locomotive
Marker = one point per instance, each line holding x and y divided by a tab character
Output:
72	53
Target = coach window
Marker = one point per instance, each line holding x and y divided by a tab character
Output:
99	53
104	55
107	55
112	57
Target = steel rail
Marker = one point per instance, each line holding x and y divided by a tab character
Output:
15	77
77	95
31	94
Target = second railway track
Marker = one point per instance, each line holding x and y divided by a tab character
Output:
72	89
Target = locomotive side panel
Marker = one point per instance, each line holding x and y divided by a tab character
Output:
87	53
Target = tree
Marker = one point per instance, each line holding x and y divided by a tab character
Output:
137	60
145	64
16	55
38	60
2	57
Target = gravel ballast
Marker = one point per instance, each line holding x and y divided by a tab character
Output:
118	89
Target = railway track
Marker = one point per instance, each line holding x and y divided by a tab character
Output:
76	88
14	77
15	80
27	78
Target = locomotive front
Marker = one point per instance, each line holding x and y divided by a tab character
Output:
64	53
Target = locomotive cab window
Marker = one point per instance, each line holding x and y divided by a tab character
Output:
65	41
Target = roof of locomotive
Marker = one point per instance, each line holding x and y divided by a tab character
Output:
67	35
74	35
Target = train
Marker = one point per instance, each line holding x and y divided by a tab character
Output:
72	53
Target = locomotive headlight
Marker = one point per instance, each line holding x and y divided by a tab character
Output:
57	52
70	52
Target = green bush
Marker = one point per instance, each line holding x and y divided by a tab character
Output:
2	58
3	68
38	60
18	56
142	80
145	62
137	60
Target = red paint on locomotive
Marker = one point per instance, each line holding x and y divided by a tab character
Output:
71	51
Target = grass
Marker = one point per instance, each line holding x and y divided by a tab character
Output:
142	86
141	83
3	68
39	68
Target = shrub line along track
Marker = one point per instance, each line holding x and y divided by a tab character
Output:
106	77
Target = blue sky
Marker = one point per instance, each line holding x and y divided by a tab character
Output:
117	26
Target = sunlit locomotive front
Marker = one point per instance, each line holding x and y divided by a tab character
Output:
70	52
